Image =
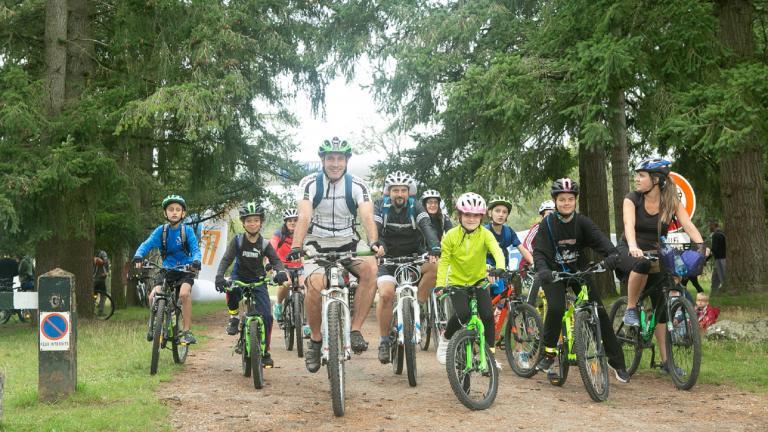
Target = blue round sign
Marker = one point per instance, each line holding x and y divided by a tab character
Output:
54	326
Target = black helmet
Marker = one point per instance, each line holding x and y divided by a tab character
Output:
564	185
251	209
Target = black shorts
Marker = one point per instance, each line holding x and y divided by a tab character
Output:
174	278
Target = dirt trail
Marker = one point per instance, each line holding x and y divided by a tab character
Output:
212	394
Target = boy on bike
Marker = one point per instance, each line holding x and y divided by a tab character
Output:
404	229
462	264
248	251
178	244
559	242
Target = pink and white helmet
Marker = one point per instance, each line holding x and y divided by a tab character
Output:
472	203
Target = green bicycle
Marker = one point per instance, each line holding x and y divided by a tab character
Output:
251	344
581	341
470	364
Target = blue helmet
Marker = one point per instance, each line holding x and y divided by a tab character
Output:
654	166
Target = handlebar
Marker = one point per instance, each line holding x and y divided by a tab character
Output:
329	258
595	268
408	259
184	268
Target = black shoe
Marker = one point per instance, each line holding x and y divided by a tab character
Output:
232	326
267	361
621	374
545	363
358	343
384	349
312	356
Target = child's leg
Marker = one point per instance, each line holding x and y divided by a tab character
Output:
460	303
555	293
485	311
185	295
261	303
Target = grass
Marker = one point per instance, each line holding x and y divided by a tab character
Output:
114	389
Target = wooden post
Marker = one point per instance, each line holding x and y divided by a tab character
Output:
57	335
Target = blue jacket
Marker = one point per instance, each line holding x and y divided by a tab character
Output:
176	255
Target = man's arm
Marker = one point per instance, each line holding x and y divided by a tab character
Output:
365	210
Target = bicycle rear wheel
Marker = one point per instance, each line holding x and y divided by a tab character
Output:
288	324
683	344
257	371
103	308
425	317
157	334
298	322
336	357
475	385
5	315
179	349
409	344
522	339
590	355
628	337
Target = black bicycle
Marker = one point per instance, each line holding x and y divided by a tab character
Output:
165	319
293	315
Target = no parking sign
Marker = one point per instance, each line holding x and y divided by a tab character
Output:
54	331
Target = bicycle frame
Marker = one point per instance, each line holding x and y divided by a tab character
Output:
250	316
407	276
476	324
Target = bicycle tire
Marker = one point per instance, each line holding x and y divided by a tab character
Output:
288	324
462	383
336	357
298	319
590	355
244	358
686	336
425	314
628	337
409	345
523	329
257	369
157	332
105	312
5	315
179	349
396	353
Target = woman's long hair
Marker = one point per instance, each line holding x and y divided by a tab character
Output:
668	201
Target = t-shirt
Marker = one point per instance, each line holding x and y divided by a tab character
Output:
507	238
646	225
282	245
331	217
249	263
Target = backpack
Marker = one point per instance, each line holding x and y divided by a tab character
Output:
164	249
385	206
319	188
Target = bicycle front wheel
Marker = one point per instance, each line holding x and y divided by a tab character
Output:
298	322
683	344
336	357
157	334
288	324
522	339
425	317
179	349
410	341
628	337
103	308
590	355
257	370
473	383
395	349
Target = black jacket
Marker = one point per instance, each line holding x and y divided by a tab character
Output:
399	235
570	239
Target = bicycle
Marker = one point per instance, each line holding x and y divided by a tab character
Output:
165	318
250	347
469	354
336	322
23	315
518	326
405	327
103	306
434	318
293	315
581	342
683	341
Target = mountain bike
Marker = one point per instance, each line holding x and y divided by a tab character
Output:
251	342
683	341
581	341
103	306
165	320
405	327
433	317
470	365
518	326
336	321
293	314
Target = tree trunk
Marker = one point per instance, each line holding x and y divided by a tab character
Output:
742	174
118	278
593	202
619	162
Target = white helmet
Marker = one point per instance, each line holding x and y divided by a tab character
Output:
471	202
546	205
290	214
399	178
430	193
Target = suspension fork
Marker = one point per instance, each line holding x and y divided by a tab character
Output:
336	294
407	292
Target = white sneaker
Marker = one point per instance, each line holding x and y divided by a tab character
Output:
442	349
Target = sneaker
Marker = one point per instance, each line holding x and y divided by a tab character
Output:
234	323
493	353
442	350
277	311
384	349
358	343
545	363
312	356
307	331
665	369
188	338
631	318
621	374
523	359
267	361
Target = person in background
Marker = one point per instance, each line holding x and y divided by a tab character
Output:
27	273
718	252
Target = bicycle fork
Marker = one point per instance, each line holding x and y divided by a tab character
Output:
330	295
402	293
